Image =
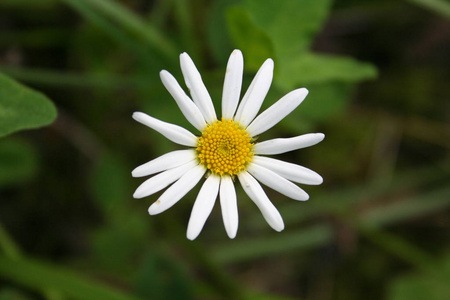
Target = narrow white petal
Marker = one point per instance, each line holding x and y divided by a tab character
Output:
203	206
172	132
232	84
228	204
162	180
187	107
289	171
275	113
177	191
278	183
254	97
167	161
277	146
197	88
256	193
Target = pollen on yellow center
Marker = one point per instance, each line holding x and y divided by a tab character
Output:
224	148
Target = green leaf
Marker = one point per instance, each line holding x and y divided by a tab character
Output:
324	101
254	43
42	276
18	161
284	30
312	68
290	24
22	107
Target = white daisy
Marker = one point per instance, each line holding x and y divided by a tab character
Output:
225	148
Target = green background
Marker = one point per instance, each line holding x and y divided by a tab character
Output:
378	73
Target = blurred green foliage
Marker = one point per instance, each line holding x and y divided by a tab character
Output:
18	161
378	227
423	286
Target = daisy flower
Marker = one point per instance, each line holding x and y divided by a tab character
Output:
225	148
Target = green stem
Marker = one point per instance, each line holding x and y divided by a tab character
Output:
438	6
399	247
135	25
107	26
8	246
68	79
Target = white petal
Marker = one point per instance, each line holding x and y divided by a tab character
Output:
203	206
228	204
278	183
256	193
232	84
289	171
162	180
254	97
187	107
197	88
177	191
275	113
172	132
277	146
167	161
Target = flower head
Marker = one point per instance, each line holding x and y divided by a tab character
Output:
225	148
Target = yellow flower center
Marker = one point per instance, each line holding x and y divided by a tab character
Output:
224	148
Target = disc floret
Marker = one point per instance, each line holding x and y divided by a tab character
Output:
225	148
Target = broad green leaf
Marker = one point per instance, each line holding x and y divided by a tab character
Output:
287	29
252	41
284	30
22	107
324	101
310	68
41	276
18	161
290	24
